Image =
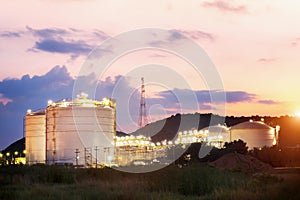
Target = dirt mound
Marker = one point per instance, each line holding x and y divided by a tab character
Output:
240	162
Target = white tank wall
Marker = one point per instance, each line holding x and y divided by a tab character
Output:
254	137
35	139
71	128
214	132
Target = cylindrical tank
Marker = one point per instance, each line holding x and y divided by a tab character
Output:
35	137
254	133
216	135
80	132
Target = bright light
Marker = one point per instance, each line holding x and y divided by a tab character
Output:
297	114
106	101
50	102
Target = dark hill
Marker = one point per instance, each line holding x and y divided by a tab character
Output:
168	128
289	135
18	146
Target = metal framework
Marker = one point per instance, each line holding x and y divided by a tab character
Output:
143	118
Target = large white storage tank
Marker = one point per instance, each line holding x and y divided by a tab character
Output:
254	133
81	131
216	135
35	137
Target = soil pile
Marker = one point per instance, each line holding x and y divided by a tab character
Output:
240	162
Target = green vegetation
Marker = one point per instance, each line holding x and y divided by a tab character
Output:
196	181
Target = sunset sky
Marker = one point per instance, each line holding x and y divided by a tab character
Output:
254	45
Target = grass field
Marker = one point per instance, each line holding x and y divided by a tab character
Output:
197	181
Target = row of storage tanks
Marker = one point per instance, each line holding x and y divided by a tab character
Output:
76	131
83	132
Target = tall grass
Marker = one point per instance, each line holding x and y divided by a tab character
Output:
197	181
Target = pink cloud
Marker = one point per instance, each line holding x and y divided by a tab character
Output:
4	100
295	42
266	60
226	6
197	34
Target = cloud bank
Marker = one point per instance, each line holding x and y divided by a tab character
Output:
18	95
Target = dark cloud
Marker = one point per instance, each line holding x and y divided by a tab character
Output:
71	41
268	102
180	34
169	98
239	96
52	84
61	46
101	35
197	35
48	33
204	96
226	6
177	34
29	93
10	34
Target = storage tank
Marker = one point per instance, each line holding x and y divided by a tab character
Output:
216	135
81	132
35	137
254	133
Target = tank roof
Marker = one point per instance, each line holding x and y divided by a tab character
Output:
83	101
252	125
216	128
34	113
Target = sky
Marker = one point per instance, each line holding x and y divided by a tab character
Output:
253	45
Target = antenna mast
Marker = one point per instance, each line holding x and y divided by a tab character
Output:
143	118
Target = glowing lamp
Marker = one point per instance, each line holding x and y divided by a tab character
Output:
106	102
50	102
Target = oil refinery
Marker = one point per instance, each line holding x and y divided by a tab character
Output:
82	132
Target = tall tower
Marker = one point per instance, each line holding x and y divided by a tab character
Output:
143	118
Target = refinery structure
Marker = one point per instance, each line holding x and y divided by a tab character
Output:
83	132
71	127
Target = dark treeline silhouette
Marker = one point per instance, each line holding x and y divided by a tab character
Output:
275	156
215	153
278	157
